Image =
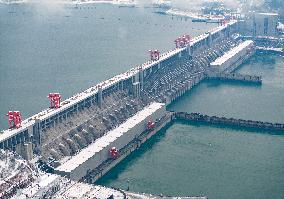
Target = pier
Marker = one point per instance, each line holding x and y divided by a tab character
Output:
197	117
279	51
236	77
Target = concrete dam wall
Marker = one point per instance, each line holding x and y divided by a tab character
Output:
236	77
197	117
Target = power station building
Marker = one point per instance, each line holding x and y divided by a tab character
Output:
260	24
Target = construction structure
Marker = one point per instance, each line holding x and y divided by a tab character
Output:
87	134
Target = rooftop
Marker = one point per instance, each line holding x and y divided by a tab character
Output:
268	14
221	60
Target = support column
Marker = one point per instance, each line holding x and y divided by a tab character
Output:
210	39
141	78
14	141
10	143
37	139
6	144
228	30
100	96
179	58
136	89
190	50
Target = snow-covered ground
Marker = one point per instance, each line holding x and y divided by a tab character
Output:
75	2
15	173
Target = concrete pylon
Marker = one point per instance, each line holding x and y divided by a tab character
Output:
37	138
25	150
190	50
100	96
141	78
228	31
136	89
209	39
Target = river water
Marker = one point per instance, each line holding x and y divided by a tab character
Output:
67	50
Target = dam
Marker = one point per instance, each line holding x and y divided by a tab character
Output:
161	86
60	135
56	133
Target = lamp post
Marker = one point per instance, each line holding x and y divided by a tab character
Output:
127	185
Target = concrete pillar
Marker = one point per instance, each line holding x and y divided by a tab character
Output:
210	39
141	78
190	50
25	150
37	138
14	141
228	31
6	144
22	138
100	96
136	89
179	58
18	139
9	142
26	137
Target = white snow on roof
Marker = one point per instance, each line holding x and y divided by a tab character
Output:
221	60
270	49
42	183
107	139
268	14
82	190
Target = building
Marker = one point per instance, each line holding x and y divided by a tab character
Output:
260	24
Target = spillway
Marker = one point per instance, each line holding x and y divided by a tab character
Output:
98	152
